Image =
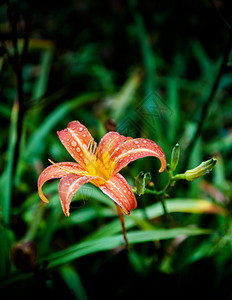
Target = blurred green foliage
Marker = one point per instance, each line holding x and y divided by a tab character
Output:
159	69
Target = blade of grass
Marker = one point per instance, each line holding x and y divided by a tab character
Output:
153	211
125	96
40	85
73	281
6	185
173	119
211	97
7	176
150	64
109	243
33	148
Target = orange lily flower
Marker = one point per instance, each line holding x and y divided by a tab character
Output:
98	165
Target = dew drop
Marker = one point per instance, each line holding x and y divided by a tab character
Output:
78	149
136	142
84	135
73	143
81	128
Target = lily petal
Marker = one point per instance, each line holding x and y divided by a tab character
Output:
133	149
56	171
68	186
76	139
109	142
118	189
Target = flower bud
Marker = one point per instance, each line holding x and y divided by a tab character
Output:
204	168
141	181
110	125
175	157
24	255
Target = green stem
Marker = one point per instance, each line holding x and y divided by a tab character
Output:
38	214
166	214
162	193
209	101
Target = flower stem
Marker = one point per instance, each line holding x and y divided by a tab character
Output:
209	101
122	220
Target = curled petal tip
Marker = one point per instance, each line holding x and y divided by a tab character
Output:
68	186
133	149
163	164
44	199
127	212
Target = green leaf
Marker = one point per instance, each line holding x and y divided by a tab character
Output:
6	186
125	96
40	85
37	139
152	211
73	281
109	243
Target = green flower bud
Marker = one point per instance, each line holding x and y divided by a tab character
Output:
201	170
175	157
141	181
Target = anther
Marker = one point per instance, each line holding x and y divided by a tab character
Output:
94	147
89	144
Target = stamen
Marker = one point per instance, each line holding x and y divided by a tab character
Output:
96	155
68	171
58	166
89	144
94	148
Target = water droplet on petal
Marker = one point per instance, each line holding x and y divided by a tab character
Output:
81	128
73	143
78	149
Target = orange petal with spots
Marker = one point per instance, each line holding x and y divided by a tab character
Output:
76	138
110	142
57	171
133	149
68	186
118	189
